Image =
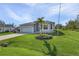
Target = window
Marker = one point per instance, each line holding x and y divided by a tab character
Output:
45	26
50	26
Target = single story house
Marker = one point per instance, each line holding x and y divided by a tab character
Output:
35	27
6	27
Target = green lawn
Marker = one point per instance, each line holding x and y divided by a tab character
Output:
27	45
5	33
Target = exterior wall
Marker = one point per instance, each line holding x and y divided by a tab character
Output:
47	30
3	29
8	28
27	29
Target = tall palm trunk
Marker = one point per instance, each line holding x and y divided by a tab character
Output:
40	21
40	28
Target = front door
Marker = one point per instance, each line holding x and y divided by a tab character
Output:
36	27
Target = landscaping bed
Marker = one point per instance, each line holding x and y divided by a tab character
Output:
44	37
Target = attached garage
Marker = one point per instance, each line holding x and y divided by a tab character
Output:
26	29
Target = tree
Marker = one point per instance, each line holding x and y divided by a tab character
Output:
58	26
77	24
41	22
71	25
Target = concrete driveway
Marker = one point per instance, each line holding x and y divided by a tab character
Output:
4	37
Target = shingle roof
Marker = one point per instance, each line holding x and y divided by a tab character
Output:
28	24
31	23
9	25
6	25
50	22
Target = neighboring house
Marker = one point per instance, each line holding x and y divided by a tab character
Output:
6	27
34	27
1	28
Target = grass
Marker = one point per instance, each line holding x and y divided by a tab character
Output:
15	51
27	45
5	33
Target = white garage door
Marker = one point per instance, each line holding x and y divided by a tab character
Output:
27	29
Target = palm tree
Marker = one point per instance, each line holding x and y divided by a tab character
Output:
41	22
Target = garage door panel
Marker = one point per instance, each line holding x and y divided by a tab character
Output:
27	29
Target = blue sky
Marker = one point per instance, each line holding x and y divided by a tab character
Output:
19	13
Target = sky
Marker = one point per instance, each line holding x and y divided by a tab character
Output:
19	13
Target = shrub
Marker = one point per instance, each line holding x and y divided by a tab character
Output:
7	31
44	37
4	44
56	33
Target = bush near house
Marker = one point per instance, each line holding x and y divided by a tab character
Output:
56	33
44	37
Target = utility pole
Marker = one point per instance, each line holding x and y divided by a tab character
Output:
59	17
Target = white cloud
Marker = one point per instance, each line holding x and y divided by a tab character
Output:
12	14
36	10
53	10
31	4
27	18
68	9
23	18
